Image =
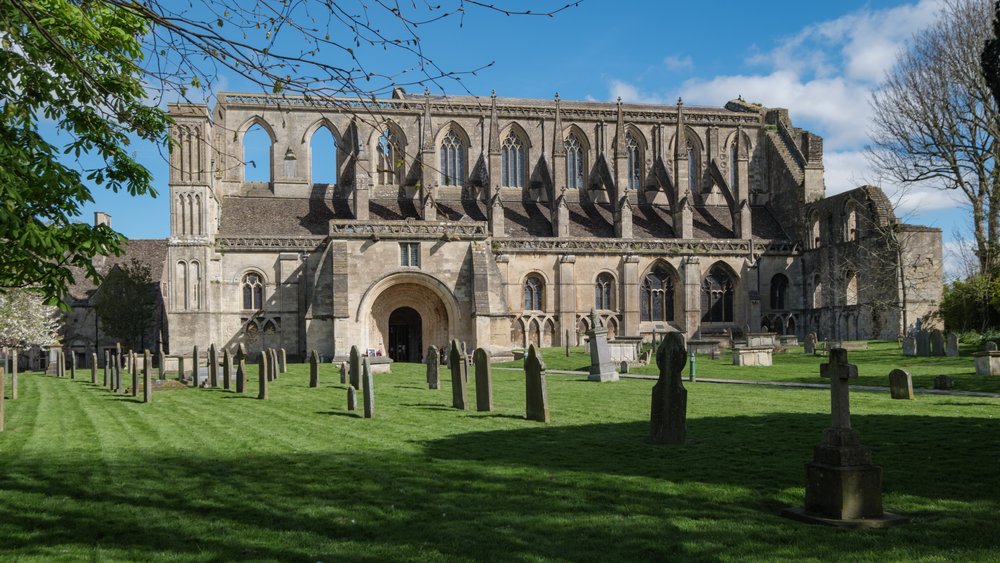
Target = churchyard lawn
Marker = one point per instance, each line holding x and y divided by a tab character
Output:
210	475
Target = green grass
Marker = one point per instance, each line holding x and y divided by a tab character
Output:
873	364
208	475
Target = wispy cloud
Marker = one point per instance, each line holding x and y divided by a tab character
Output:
675	62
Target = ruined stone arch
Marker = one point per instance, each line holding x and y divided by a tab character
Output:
388	146
338	147
241	133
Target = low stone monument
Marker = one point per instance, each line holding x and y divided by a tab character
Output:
433	367
601	368
241	368
459	375
352	398
809	345
355	367
668	414
909	346
227	368
988	360
213	366
937	343
263	370
900	384
368	385
843	487
944	383
484	380
147	383
536	394
313	369
951	345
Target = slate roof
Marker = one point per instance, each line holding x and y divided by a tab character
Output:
152	252
280	216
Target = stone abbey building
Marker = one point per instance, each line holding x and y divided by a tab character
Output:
504	221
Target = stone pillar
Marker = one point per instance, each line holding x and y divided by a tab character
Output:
623	218
566	295
628	299
691	274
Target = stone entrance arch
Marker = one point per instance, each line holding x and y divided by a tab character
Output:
412	303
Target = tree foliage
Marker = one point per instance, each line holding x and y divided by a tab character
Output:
936	123
971	304
126	303
26	321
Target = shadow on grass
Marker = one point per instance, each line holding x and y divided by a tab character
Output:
588	492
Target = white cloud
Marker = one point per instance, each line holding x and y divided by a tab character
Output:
631	94
675	63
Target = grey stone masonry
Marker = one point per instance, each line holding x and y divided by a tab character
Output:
459	375
433	360
147	383
900	384
601	366
355	367
484	380
668	414
536	394
369	388
313	369
263	370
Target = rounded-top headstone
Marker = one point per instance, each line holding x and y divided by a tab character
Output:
990	346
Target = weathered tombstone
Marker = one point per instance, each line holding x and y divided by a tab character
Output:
623	367
668	414
181	372
459	376
313	369
923	343
369	388
601	368
283	358
355	367
567	343
227	368
843	487
900	384
987	361
809	345
352	398
951	346
536	394
716	354
343	373
484	380
3	386
107	360
272	364
262	370
241	368
161	358
937	343
147	383
196	371
119	360
93	367
13	377
909	346
433	366
213	366
135	382
72	364
944	383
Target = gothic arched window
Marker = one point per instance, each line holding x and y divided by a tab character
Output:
779	287
574	162
253	291
452	160
634	156
850	222
604	292
533	293
512	162
851	288
692	170
656	296
732	165
390	159
717	297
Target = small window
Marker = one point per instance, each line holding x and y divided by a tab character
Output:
409	254
533	294
253	292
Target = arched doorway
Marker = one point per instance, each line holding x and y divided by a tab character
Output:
405	335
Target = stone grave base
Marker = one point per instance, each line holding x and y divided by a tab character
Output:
606	376
752	356
702	347
887	519
987	363
844	492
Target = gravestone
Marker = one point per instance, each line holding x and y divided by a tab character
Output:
283	358
566	340
161	357
623	367
213	366
266	352
987	361
355	367
900	384
951	346
944	383
923	343
147	384
937	343
601	367
181	372
93	367
118	372
343	373
313	369
135	382
13	377
263	369
536	393
241	368
352	398
227	369
3	385
369	388
484	380
716	354
459	375
668	413
843	487
195	371
990	346
433	360
809	345
273	364
72	364
107	360
909	346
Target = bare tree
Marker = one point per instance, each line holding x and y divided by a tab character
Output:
936	123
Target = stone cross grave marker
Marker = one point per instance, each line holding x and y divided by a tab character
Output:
263	370
352	398
951	346
484	380
93	367
355	367
241	368
536	394
839	372
213	366
313	369
900	384
368	385
147	383
196	370
227	368
433	360
459	375
668	414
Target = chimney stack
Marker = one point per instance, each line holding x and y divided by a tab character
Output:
102	218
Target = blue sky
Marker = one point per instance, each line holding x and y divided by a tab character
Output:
818	59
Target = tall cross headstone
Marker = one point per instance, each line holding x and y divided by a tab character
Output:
484	380
536	394
459	375
313	369
369	388
263	370
213	366
241	368
147	382
227	368
668	414
433	360
355	367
